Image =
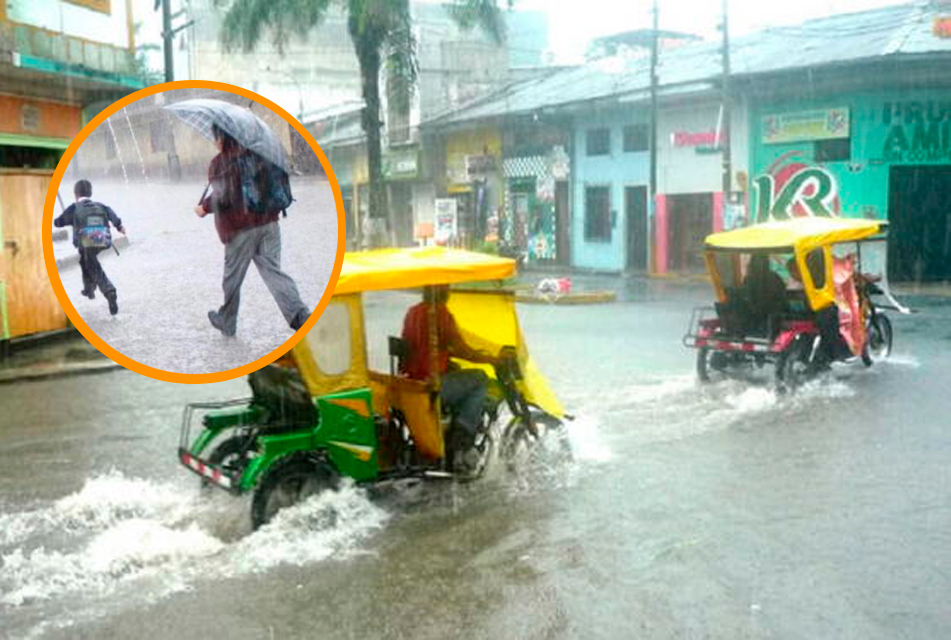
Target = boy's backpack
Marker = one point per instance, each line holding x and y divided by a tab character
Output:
265	187
91	225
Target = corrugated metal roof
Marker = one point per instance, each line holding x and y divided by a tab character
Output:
901	30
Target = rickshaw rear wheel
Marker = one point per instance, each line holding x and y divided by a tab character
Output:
793	368
289	482
711	365
469	463
228	456
878	344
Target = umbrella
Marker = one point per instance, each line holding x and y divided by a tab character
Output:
249	130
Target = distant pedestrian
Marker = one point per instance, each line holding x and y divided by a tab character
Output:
90	221
248	236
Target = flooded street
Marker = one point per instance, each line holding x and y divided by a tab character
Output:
688	511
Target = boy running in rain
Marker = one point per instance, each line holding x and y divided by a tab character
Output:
90	221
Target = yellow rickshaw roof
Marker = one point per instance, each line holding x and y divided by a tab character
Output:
418	267
798	233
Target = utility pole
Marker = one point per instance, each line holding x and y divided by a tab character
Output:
168	35
725	125
652	195
168	39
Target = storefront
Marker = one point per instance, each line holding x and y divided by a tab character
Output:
690	201
536	217
60	64
878	155
473	179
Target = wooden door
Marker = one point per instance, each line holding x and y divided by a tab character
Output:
635	206
31	305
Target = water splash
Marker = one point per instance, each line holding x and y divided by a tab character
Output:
586	438
125	552
901	360
330	523
103	502
134	540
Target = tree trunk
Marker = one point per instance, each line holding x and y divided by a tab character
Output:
370	60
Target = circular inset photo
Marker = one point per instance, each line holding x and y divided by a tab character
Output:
194	231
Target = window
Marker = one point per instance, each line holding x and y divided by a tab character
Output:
636	138
29	157
597	214
838	150
329	340
598	142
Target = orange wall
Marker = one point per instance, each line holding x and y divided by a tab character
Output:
56	120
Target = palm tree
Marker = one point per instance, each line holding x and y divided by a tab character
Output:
381	32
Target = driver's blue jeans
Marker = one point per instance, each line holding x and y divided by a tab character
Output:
463	394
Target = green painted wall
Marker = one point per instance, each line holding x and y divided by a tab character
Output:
888	128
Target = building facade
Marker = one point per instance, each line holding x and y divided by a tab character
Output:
881	154
61	62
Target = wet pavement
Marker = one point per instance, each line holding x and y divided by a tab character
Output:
688	512
169	277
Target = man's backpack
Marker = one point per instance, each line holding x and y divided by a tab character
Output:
91	225
265	187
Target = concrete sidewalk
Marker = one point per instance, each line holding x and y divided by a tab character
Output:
56	355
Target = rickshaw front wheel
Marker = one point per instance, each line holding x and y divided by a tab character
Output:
520	447
289	482
878	344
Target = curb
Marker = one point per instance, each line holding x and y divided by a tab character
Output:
590	297
46	372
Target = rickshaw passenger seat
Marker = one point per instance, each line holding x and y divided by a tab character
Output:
399	352
733	313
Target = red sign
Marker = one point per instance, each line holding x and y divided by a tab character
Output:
942	27
696	139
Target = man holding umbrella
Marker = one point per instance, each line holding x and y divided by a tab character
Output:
248	230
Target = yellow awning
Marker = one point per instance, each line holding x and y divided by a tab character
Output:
418	267
800	234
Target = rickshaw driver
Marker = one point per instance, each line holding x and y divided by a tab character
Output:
462	391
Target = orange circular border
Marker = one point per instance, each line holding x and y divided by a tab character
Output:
129	363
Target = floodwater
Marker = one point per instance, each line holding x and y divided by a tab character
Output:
169	278
688	511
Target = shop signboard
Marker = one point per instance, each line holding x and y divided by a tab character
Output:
815	124
401	164
447	220
479	166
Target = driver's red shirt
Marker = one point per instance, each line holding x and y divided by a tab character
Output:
416	335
